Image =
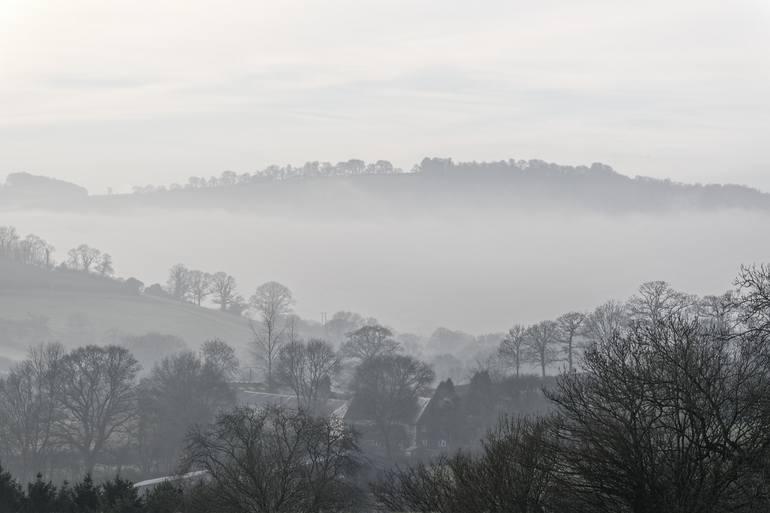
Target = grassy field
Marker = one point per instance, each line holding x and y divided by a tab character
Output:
97	313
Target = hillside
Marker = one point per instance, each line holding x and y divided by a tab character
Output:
68	307
438	184
433	184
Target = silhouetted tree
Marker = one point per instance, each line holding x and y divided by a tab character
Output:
540	341
11	495
223	288
605	322
368	342
657	301
200	284
386	389
273	461
512	348
569	326
83	258
753	296
182	390
513	472
720	311
666	417
218	354
9	237
270	306
308	368
178	283
98	399
104	265
29	407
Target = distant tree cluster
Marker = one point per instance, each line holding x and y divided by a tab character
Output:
115	495
560	341
352	167
87	259
667	411
277	461
541	167
65	412
34	250
29	249
664	408
194	286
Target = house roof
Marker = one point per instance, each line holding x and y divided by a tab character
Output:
159	480
261	400
422	405
357	412
445	401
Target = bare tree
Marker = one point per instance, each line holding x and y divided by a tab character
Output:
221	356
34	250
104	265
753	296
657	301
308	368
200	285
720	311
28	409
8	240
540	341
570	325
606	321
273	461
98	399
342	323
667	417
223	287
386	389
270	306
181	390
44	251
178	283
83	258
368	342
513	471
512	347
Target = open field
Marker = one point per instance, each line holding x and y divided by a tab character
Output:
99	313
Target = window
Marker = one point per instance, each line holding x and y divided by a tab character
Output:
424	443
442	443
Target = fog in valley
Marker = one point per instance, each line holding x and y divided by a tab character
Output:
471	269
400	257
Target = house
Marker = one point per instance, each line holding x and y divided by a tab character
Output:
402	431
443	424
458	417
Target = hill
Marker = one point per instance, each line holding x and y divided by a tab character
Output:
78	308
435	183
35	190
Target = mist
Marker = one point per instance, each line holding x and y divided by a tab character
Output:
343	256
477	270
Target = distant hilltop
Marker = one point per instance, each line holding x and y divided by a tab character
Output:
27	187
379	186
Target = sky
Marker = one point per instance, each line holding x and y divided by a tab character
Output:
122	93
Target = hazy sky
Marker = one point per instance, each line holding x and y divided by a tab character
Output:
122	93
